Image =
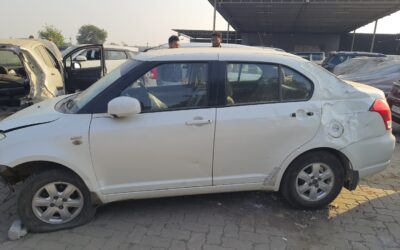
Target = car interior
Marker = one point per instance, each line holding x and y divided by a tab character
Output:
14	82
252	83
186	88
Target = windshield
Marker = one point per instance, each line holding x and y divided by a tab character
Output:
76	102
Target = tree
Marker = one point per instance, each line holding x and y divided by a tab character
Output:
51	33
91	34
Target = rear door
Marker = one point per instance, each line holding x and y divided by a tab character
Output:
267	113
80	74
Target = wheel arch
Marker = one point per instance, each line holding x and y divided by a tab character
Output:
345	162
22	171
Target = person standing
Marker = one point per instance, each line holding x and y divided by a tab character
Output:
216	40
169	74
173	42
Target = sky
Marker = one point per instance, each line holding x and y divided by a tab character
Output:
134	22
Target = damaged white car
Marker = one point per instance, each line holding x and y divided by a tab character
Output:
32	70
195	121
29	72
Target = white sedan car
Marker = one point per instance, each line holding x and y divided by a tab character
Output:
194	121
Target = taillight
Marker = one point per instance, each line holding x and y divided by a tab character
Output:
380	106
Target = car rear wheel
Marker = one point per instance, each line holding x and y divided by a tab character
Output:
313	180
54	200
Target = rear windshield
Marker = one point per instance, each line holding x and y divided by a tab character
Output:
317	56
9	59
337	59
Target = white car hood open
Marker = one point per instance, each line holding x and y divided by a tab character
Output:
40	113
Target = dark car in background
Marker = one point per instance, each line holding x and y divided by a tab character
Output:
336	58
394	102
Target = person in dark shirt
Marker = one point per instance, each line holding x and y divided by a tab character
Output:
170	74
173	42
216	40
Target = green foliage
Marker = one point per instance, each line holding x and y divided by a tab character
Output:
51	33
90	34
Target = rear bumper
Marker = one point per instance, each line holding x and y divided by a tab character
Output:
372	155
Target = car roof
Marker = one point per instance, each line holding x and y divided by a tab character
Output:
209	45
107	46
200	54
28	43
355	53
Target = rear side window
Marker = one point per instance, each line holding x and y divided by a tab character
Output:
252	83
115	55
295	87
265	83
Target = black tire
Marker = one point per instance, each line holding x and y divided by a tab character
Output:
289	181
35	182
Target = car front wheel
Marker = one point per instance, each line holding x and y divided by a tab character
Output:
54	200
313	180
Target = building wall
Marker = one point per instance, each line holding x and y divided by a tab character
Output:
384	43
293	42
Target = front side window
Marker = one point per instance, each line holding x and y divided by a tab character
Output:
9	59
89	54
171	86
252	83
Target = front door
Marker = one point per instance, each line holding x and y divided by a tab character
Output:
169	145
83	66
268	114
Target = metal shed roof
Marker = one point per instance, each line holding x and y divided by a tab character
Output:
303	16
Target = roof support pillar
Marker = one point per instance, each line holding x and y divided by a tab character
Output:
215	14
227	34
352	42
373	37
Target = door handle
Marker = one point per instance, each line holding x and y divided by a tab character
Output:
302	114
198	122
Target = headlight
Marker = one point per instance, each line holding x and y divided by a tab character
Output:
2	136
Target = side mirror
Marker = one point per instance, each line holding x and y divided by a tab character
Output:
123	106
81	58
76	65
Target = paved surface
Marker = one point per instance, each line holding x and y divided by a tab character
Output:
368	218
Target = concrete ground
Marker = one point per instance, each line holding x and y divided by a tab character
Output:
367	218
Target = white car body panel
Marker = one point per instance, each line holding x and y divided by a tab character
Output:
155	151
28	144
266	132
135	157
